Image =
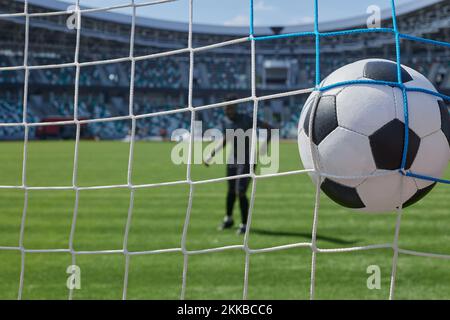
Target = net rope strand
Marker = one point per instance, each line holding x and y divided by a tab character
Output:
190	156
25	149
77	139
132	58
130	155
404	153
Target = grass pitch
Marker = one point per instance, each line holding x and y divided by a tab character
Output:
282	215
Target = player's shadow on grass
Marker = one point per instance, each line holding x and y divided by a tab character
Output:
302	235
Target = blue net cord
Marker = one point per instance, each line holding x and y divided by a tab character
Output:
399	84
317	34
423	177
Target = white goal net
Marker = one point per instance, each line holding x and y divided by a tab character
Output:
192	110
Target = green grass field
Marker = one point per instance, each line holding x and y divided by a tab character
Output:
282	215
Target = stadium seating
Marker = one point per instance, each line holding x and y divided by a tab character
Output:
163	82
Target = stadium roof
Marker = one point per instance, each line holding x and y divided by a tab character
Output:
56	5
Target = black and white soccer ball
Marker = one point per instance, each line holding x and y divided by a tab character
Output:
357	137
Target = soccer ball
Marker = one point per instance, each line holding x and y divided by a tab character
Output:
357	137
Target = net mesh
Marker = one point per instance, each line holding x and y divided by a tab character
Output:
132	58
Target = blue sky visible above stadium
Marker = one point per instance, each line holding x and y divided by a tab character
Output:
236	12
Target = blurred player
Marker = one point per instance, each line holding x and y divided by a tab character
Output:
238	162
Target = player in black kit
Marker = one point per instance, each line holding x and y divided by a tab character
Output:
238	162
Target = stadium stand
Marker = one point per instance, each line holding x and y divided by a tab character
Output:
163	82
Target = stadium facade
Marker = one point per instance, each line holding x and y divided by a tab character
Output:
161	83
